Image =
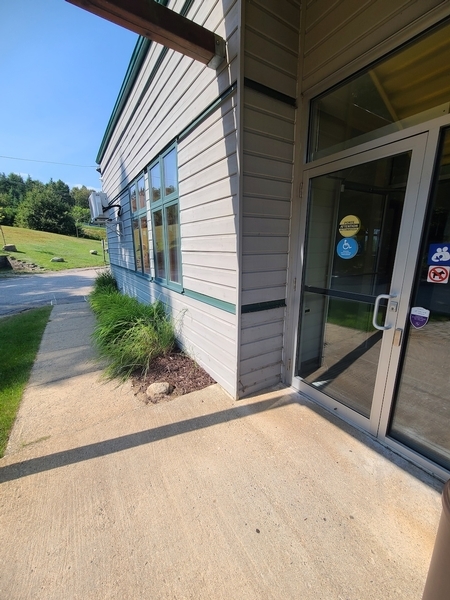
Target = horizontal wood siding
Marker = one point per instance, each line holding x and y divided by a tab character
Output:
181	89
271	42
337	32
261	350
207	170
206	333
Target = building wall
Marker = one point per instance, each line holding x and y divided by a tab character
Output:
338	33
271	44
170	93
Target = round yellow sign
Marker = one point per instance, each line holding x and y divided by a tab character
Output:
349	226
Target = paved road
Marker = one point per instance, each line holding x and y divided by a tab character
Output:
27	291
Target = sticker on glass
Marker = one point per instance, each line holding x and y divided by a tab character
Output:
438	274
349	226
347	248
419	316
439	254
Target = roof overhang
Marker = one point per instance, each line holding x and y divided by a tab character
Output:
160	24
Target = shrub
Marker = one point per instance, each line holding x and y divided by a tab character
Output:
105	282
128	333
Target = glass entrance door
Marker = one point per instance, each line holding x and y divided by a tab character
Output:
420	417
359	224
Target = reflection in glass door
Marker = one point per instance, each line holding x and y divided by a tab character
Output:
353	228
421	415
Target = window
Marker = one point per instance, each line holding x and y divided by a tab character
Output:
138	206
408	87
163	185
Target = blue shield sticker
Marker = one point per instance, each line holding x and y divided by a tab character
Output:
419	317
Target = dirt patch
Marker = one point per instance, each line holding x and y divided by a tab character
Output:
181	372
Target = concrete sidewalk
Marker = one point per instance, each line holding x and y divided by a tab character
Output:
202	497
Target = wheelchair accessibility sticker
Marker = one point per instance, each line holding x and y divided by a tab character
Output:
347	248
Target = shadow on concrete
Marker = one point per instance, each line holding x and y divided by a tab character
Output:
133	440
65	458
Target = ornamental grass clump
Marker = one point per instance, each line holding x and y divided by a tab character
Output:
128	333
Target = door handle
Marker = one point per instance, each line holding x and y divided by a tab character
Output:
377	308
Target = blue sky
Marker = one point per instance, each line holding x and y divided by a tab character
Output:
61	69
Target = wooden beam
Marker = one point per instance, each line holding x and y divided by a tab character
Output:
162	25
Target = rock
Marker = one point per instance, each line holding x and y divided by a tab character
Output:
157	391
57	259
9	248
93	252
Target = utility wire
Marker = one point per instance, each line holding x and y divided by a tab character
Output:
50	162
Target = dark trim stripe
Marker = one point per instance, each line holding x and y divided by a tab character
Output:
268	91
259	306
221	304
208	111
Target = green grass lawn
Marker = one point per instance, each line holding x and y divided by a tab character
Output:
20	336
93	231
39	247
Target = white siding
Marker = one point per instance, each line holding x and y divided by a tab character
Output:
207	174
337	32
271	42
207	169
180	91
261	350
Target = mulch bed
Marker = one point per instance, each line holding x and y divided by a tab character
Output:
181	372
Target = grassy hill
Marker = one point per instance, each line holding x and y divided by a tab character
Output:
39	247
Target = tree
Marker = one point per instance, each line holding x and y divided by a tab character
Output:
43	210
8	208
81	215
62	191
81	196
14	186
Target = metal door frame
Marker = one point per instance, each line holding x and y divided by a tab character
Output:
402	276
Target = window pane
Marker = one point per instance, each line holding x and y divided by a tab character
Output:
353	224
155	183
159	244
141	192
173	243
133	198
170	172
421	414
144	241
137	245
406	88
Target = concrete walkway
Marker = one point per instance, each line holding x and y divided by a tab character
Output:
202	497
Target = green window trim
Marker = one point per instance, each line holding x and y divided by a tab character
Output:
164	207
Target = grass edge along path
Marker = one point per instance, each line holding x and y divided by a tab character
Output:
20	338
